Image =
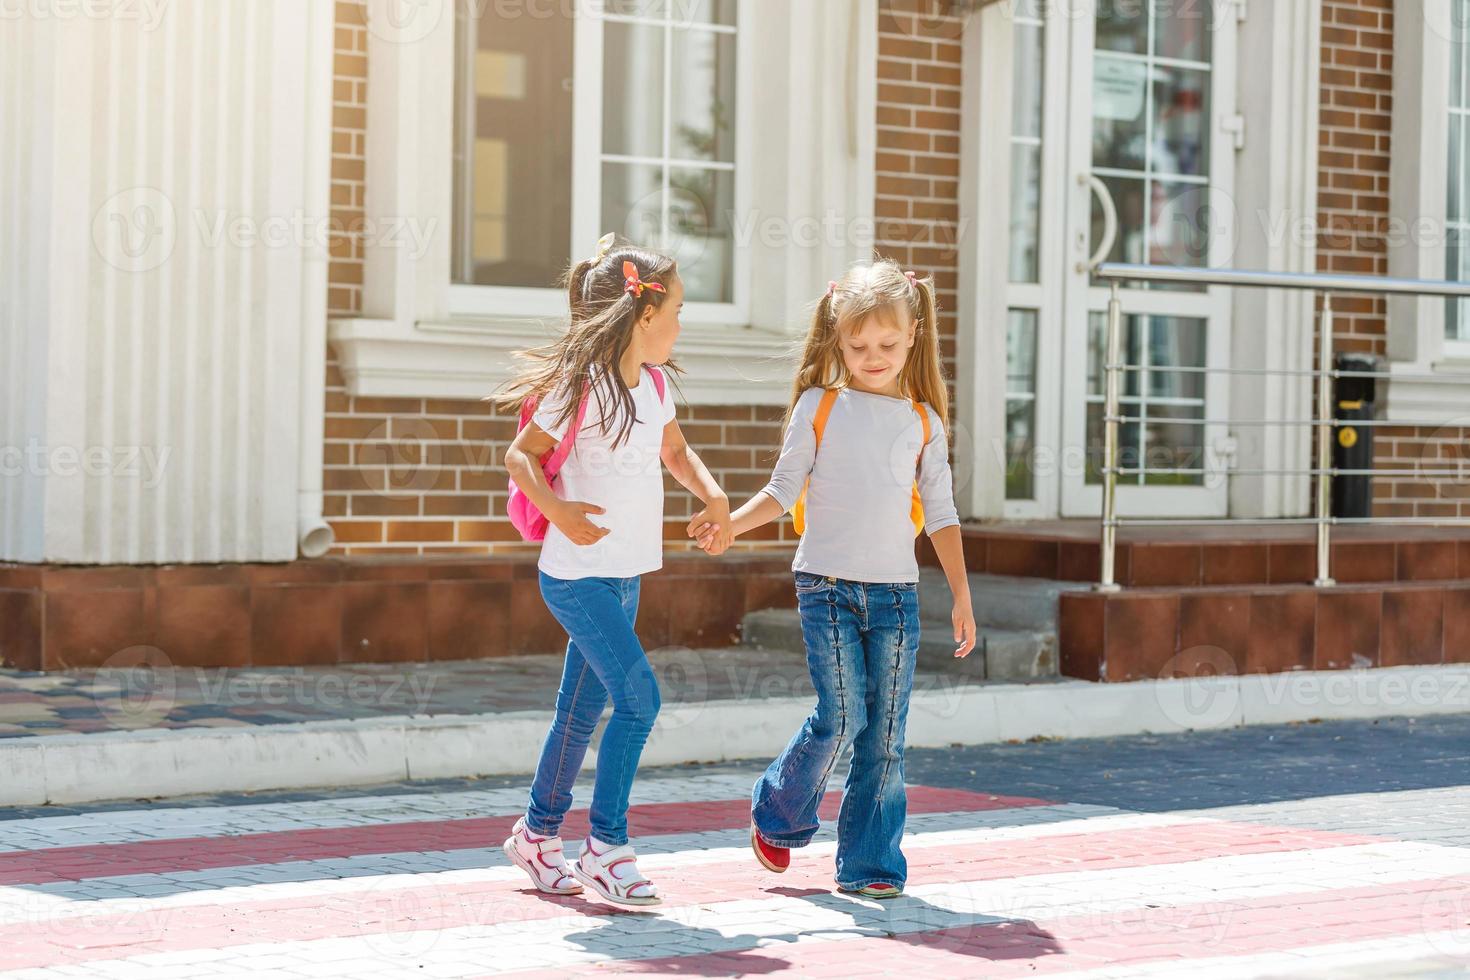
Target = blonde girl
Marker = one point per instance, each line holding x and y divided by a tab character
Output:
604	370
870	393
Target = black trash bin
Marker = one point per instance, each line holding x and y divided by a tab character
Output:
1352	445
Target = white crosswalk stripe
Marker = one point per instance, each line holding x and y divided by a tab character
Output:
326	877
1096	872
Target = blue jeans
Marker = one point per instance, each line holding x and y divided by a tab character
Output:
604	658
861	642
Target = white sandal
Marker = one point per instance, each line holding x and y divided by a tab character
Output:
613	874
541	858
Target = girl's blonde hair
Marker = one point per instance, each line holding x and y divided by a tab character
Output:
603	313
864	291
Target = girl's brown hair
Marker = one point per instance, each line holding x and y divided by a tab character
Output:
864	291
603	313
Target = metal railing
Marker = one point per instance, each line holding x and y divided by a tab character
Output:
1325	285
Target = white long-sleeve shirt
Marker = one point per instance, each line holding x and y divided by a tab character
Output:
857	504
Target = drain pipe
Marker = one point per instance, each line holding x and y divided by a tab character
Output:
314	535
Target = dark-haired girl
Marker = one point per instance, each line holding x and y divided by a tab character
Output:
605	369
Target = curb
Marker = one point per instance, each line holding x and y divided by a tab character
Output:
64	769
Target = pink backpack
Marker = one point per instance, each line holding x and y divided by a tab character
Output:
525	516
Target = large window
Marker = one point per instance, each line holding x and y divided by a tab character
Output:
1457	200
513	143
663	172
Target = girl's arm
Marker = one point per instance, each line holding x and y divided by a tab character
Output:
942	523
949	546
569	516
686	467
757	511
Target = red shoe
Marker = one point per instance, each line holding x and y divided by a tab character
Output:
776	859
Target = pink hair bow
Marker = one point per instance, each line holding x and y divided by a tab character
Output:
636	286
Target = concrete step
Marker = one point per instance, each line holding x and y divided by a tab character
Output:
999	655
1003	601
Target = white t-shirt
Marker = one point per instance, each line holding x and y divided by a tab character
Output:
627	482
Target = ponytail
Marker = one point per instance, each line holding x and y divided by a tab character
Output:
817	353
577	288
923	374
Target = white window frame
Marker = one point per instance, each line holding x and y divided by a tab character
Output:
471	300
812	83
1418	180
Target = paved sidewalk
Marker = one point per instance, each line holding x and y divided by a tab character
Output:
159	732
93	701
1334	850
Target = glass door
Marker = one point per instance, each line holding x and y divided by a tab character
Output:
1150	123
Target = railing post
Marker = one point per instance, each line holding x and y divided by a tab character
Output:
1111	411
1324	444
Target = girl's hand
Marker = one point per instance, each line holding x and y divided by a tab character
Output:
964	628
713	527
703	535
570	519
709	540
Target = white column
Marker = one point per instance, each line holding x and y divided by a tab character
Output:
1276	221
816	110
980	343
1418	176
154	347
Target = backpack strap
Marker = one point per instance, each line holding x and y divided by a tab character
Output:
563	449
824	409
924	417
660	384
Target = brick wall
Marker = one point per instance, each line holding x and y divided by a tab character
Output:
1353	205
918	163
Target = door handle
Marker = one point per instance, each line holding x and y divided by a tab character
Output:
1110	221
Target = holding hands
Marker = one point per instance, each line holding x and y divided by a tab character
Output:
712	528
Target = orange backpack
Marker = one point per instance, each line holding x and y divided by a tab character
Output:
824	409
